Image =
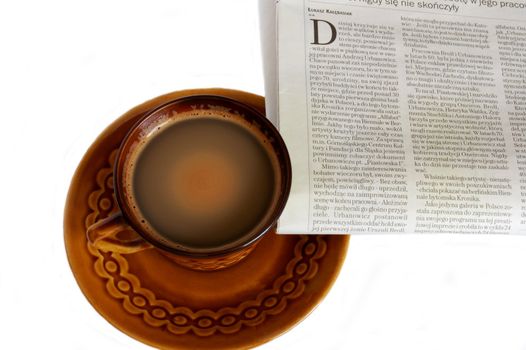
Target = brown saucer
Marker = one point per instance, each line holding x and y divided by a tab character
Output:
149	297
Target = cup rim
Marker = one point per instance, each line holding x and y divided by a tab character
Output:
285	169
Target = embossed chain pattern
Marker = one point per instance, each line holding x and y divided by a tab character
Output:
125	286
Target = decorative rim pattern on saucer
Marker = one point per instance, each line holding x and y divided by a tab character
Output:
120	288
126	287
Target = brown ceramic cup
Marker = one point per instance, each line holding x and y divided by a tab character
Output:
129	231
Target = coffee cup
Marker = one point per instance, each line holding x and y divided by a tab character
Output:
202	178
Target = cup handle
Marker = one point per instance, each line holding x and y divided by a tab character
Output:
113	234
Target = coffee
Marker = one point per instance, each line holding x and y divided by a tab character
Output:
204	181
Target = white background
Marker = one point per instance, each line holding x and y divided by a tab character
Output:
69	68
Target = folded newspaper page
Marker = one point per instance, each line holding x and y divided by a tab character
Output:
404	116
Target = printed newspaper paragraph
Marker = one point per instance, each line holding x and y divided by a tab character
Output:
405	117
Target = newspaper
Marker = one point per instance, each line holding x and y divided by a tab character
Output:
403	116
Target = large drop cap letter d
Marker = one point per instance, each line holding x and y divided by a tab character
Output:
316	32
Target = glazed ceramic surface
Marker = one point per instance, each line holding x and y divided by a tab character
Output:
151	298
